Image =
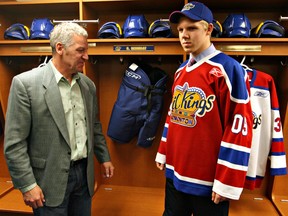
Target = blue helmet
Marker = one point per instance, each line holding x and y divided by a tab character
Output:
17	31
110	30
236	25
268	29
160	28
217	29
41	28
135	26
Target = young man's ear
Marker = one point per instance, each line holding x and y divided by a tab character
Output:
210	28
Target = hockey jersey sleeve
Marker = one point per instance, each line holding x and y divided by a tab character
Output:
161	154
277	153
236	114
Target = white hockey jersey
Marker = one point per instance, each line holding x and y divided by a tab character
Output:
267	140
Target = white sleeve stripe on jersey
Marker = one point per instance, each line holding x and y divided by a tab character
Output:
278	161
227	190
164	139
160	158
235	147
232	166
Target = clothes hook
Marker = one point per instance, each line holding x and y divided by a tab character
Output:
9	61
44	63
121	59
284	63
93	60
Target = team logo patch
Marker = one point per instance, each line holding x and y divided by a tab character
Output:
216	72
188	103
188	6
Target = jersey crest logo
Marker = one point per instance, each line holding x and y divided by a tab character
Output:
216	72
188	103
256	120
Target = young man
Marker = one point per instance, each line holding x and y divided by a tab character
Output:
52	131
207	136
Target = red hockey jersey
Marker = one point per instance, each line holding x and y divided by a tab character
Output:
208	131
267	141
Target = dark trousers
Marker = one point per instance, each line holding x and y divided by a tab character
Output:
77	201
181	204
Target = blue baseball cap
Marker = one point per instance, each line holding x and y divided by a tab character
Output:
193	10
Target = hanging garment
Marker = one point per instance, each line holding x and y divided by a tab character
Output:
138	108
267	139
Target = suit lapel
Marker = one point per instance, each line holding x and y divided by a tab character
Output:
54	102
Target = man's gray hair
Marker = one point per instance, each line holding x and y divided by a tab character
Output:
64	33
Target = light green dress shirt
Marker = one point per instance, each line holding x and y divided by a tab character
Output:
74	113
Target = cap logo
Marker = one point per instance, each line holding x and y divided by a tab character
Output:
188	6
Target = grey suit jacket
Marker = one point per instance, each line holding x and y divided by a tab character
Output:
36	140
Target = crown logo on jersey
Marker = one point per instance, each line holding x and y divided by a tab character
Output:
188	103
188	6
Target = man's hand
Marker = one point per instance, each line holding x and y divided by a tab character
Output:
160	166
108	169
34	198
216	198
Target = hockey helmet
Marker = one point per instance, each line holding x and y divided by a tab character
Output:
17	31
110	30
160	28
236	25
217	29
41	28
135	26
268	29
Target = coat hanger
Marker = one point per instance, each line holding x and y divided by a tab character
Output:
244	65
43	63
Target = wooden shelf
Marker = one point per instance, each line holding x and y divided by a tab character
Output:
245	5
26	2
159	46
252	46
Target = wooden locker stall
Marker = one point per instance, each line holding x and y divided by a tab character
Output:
138	186
280	190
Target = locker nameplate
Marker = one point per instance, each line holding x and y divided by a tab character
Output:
136	48
241	48
30	49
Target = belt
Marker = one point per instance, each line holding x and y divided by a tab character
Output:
78	162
